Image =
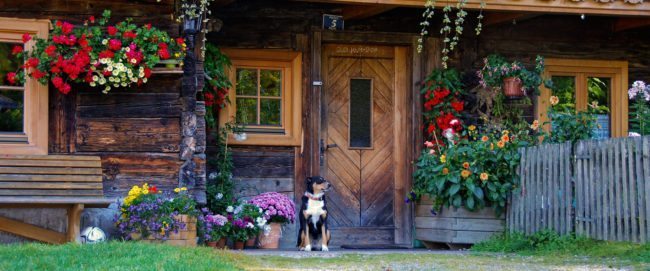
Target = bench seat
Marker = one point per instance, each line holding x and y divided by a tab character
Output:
50	181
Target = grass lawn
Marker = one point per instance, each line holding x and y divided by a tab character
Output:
138	256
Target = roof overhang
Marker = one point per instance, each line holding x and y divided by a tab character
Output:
594	7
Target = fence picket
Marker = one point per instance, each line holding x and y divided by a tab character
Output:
624	186
638	166
646	176
632	192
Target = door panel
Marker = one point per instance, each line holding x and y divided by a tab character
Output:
363	177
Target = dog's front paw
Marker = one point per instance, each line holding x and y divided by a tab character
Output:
324	248
308	248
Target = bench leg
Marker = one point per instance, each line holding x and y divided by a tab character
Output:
74	221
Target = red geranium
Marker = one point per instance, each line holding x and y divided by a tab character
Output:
112	30
26	38
153	189
50	50
37	74
209	99
17	50
66	28
114	44
92	19
11	77
147	72
32	62
129	35
106	54
458	106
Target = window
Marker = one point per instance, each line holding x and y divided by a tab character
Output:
360	113
579	83
266	96
23	109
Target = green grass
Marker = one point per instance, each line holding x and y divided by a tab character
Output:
113	256
543	252
550	245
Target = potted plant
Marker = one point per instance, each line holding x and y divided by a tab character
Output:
278	209
512	77
150	215
97	54
213	229
470	179
247	221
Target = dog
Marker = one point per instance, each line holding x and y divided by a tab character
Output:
313	215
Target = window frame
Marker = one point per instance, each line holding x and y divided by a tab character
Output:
35	114
289	133
582	69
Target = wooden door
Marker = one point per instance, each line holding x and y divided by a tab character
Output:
364	157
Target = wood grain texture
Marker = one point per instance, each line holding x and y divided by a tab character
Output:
31	231
129	135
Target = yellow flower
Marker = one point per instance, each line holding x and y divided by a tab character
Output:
145	191
445	171
465	173
466	165
554	100
443	158
535	125
491	146
501	144
177	190
484	176
183	188
505	132
471	127
485	138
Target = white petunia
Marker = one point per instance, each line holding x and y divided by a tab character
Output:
230	209
219	196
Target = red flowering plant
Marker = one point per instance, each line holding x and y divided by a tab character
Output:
442	105
97	54
215	92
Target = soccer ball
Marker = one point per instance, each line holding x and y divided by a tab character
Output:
92	235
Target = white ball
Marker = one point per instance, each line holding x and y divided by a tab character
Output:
92	235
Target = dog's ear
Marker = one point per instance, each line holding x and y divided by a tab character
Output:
308	180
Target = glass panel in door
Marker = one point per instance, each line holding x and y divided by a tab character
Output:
599	89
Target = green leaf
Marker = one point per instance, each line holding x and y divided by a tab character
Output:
478	192
454	189
470	203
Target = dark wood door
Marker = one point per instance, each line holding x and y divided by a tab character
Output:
359	126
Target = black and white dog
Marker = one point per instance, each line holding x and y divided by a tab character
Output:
313	215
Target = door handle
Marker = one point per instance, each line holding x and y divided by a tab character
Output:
331	146
324	147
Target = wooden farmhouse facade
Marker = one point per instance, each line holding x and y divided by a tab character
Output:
347	105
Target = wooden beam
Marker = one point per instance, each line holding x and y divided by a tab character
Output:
364	11
623	24
557	6
30	231
497	18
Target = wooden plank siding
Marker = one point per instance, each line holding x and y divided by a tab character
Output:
610	184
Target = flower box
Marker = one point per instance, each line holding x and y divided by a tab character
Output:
184	237
455	225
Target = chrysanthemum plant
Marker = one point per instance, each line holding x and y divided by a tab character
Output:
97	54
569	124
276	207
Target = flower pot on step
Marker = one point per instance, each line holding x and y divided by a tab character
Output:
238	245
250	243
222	243
271	239
211	243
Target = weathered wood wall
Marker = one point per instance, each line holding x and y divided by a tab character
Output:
138	132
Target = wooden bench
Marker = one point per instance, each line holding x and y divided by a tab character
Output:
50	181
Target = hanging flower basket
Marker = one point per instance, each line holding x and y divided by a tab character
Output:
512	87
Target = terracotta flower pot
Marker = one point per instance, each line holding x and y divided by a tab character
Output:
211	243
238	245
512	87
222	243
271	239
250	243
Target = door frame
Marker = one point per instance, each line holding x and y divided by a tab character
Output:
418	66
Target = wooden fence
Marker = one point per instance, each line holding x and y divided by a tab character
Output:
598	189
